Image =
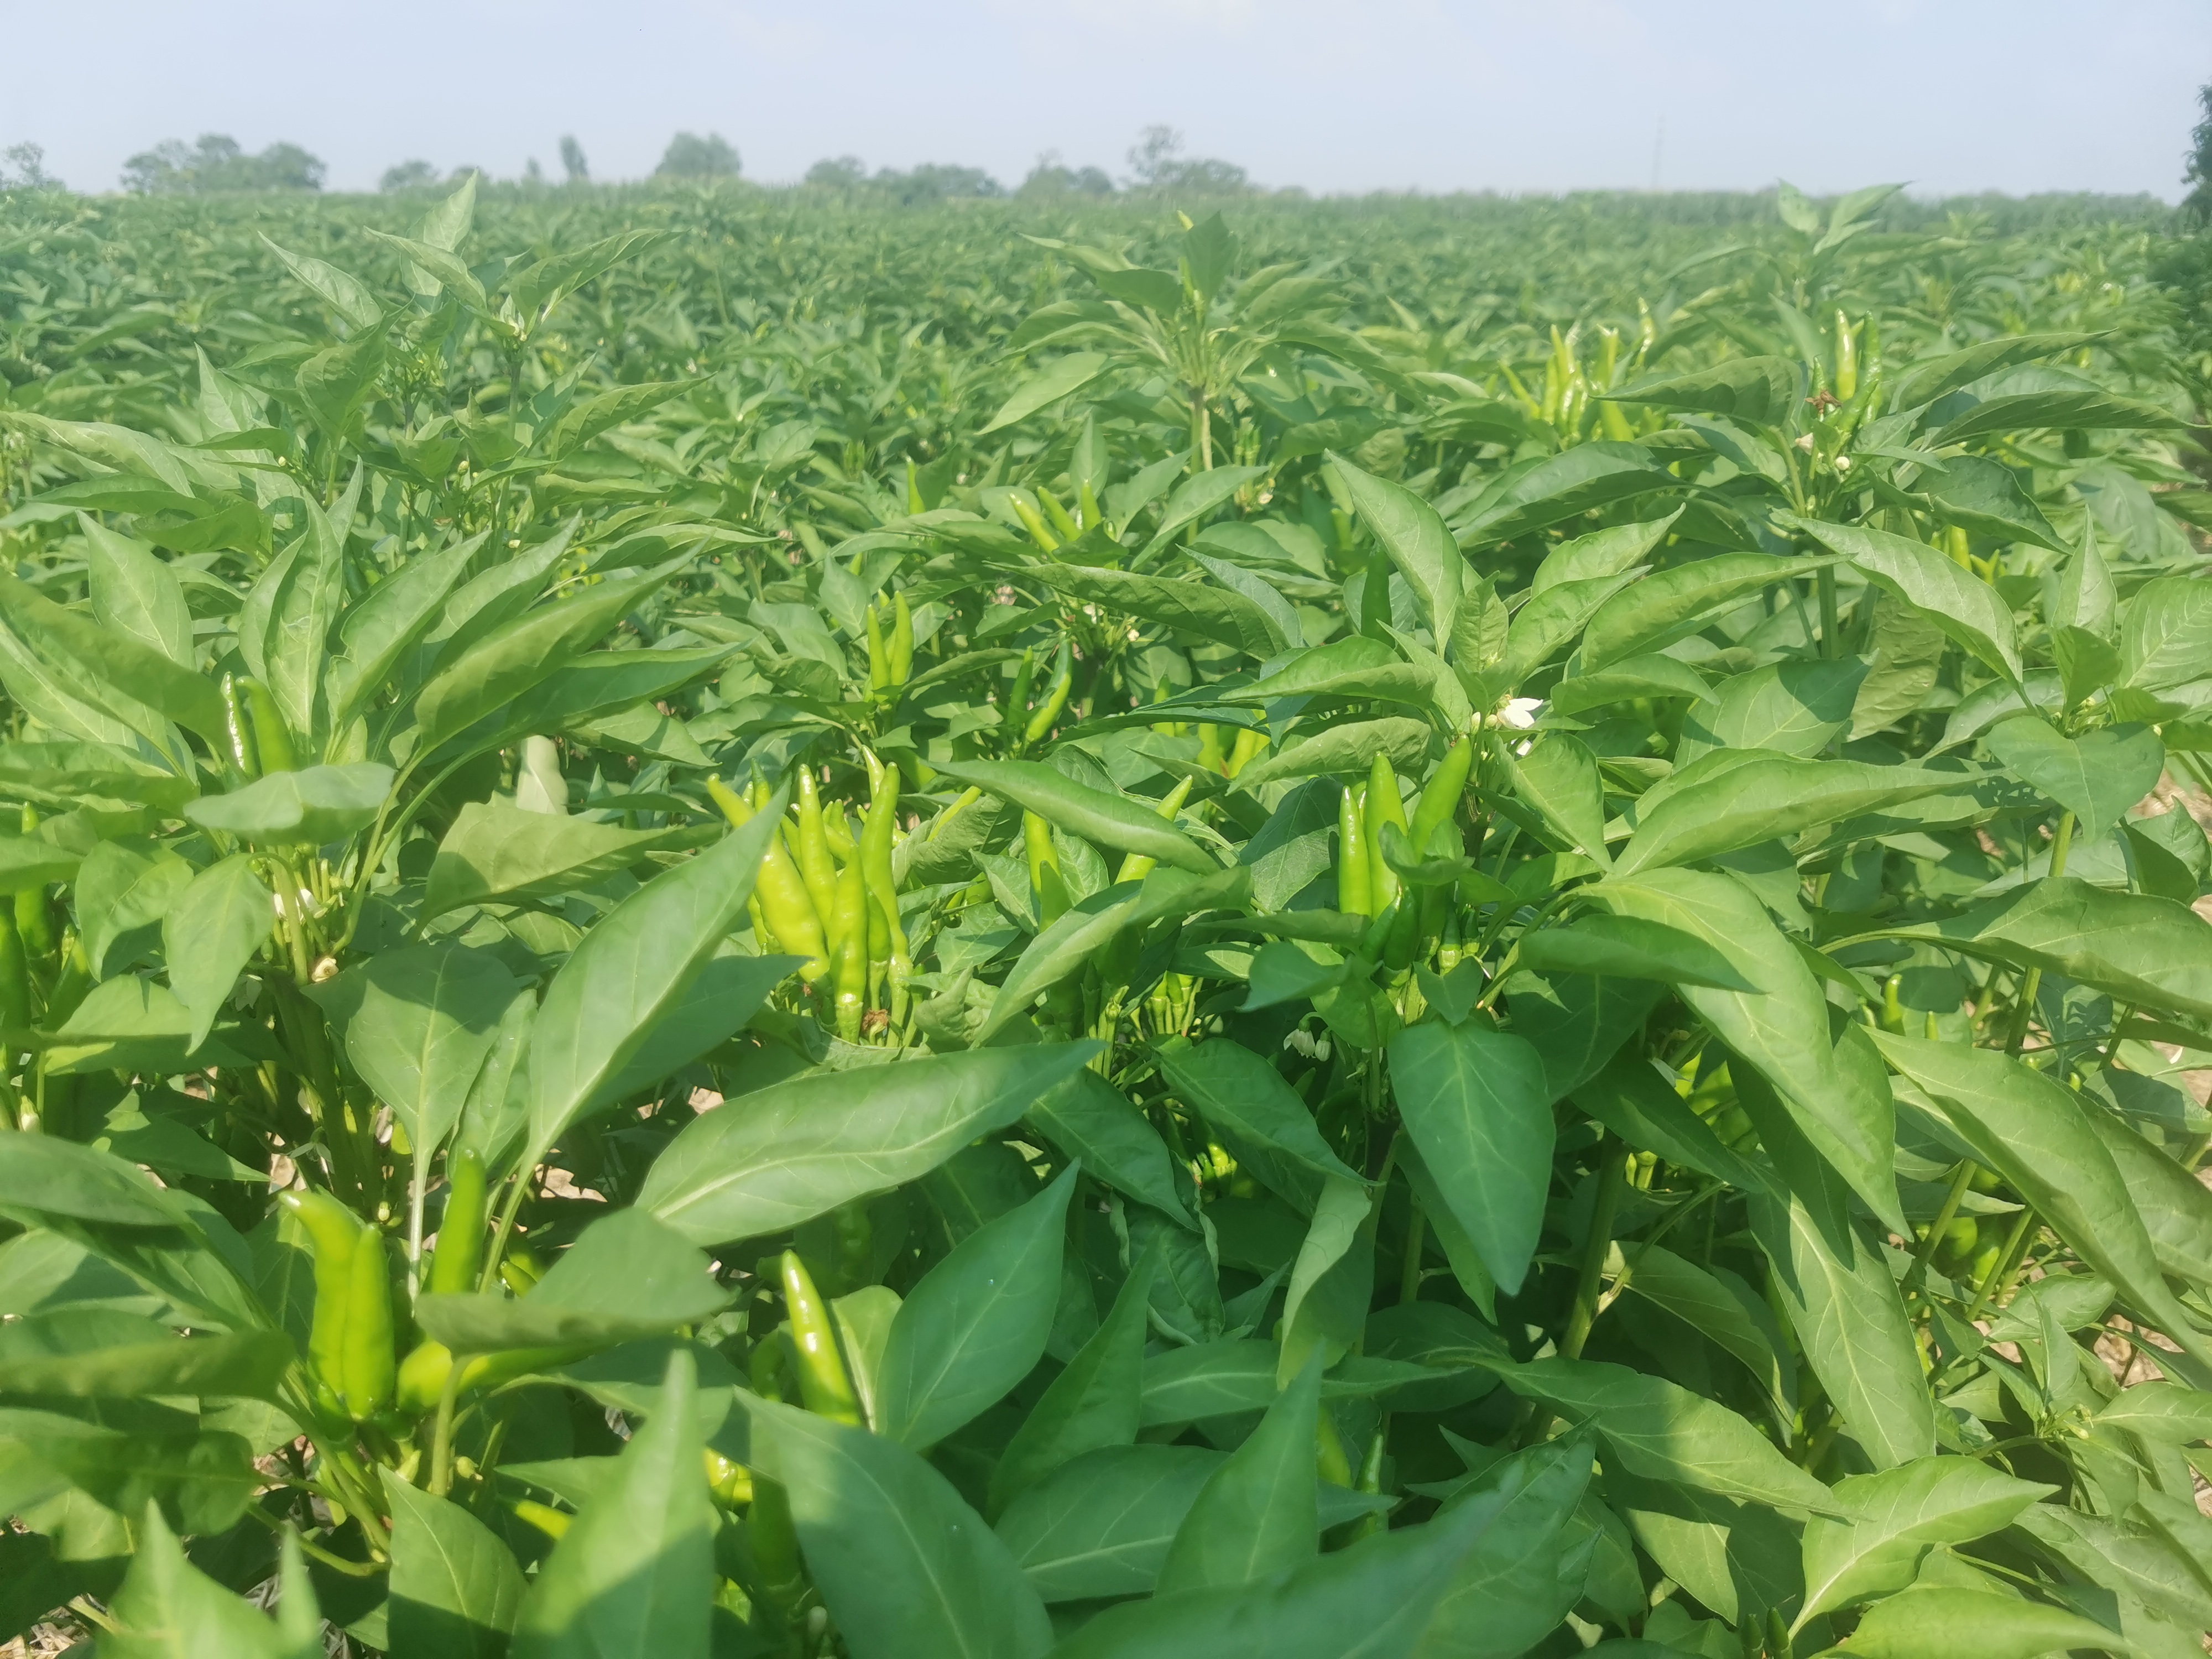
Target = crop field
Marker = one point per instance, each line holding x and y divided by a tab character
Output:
738	923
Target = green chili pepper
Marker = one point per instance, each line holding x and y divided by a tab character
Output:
875	834
852	958
775	1543
1329	1458
1249	742
902	648
1017	699
1136	866
1847	359
1209	747
15	978
1046	713
272	739
879	667
815	867
1063	526
1047	886
239	727
350	1339
553	1523
966	798
71	984
454	1264
423	1373
824	1387
1449	950
1381	806
785	905
1086	504
1354	894
731	1483
1441	795
519	1272
1035	524
33	920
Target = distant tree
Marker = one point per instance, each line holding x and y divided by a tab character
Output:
217	162
408	175
837	173
572	159
27	169
689	157
533	174
1157	164
1048	179
2198	203
934	181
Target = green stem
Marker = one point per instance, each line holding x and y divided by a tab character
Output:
2001	1270
1606	1206
1831	640
2061	841
1952	1199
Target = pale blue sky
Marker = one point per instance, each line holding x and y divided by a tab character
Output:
1954	95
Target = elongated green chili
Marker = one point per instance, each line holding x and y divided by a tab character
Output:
1354	895
1381	806
1249	742
459	1255
1063	526
879	665
824	1387
350	1349
852	958
901	645
1136	866
1063	680
15	978
775	1543
1047	887
238	726
875	834
815	867
272	739
1441	794
785	905
1032	522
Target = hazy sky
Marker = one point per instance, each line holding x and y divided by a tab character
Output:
2015	96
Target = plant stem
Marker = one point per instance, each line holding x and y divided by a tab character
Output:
1604	1206
2061	840
1959	1181
1831	640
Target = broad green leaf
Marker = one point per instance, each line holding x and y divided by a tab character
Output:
1606	552
1198	495
1577	1021
144	674
1220	1379
1602	944
797	1150
976	1323
1711	1307
1760	390
2164	1414
2150	952
1657	609
1793	708
1259	1514
94	1354
1416	540
1964	606
1525	1572
198	1482
2037	1134
1112	821
418	1022
1214	614
1100	1525
1783	1033
312	807
1332	1282
1983	495
344	292
1559	487
135	592
2097	776
1540	628
500	853
1733	799
1973	1623
209	934
1648	675
53	1176
634	965
729	990
65	773
122	894
1852	1327
1341	748
1662	1432
2031	396
1236	1089
907	1569
1628	1097
2165	634
455	1587
1892	1519
2175	1206
168	1608
1924	381
1477	1104
1094	1403
1557	778
376	633
587	417
1062	379
1087	1118
634	1576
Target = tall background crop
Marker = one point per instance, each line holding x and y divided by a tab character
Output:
881	920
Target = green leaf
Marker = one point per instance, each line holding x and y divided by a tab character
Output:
284	626
634	1576
2165	634
1094	1403
628	1276
2175	1206
1350	748
312	807
455	1587
1558	777
1100	1525
1220	1379
1601	944
1234	1089
1332	1282
1647	676
2097	776
135	592
169	1609
976	1323
1112	821
2036	1133
1836	1288
2163	1413
1759	390
209	934
1088	1119
1525	1572
96	1354
1214	614
907	1569
1965	607
1732	799
1415	539
375	634
1983	495
519	654
1892	1519
1662	1432
2034	396
498	853
1259	1514
1062	379
2150	952
53	1176
344	292
1477	1104
1925	381
419	1022
199	1482
1657	609
1627	1095
634	965
1559	486
1198	495
1973	1623
141	672
1783	1033
797	1150
1794	707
